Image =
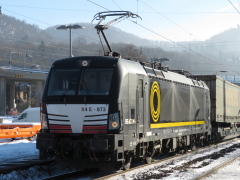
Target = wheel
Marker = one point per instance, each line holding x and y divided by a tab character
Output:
148	158
200	143
127	163
182	148
193	143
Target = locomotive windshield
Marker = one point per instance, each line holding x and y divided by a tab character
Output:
83	81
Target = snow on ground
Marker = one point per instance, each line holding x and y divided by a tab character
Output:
22	149
229	172
18	149
193	171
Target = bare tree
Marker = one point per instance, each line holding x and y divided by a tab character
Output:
132	52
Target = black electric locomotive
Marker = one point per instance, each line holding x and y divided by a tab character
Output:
106	109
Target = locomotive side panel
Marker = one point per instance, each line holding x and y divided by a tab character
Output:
181	103
178	112
131	100
183	109
130	121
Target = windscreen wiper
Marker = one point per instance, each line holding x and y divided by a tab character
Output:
73	86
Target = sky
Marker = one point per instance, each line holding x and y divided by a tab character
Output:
167	20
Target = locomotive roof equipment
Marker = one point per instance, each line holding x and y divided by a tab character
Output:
100	27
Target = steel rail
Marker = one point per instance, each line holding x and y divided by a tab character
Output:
167	159
6	168
216	168
64	176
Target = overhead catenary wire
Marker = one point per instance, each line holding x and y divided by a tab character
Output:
168	39
51	45
134	22
168	19
180	45
105	9
47	45
50	8
47	8
77	10
155	11
66	48
173	23
234	6
49	24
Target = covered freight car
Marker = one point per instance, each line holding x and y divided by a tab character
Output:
225	105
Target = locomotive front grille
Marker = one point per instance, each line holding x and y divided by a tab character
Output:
59	124
78	118
95	124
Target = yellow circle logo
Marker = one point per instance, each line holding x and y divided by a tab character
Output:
155	103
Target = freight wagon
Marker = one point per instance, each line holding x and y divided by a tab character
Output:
225	105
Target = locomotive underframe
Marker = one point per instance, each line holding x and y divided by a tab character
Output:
84	151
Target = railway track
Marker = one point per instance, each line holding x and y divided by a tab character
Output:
8	167
161	165
222	165
73	174
93	174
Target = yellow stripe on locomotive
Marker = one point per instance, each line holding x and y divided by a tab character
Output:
175	124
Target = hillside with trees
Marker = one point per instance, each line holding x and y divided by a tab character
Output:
25	45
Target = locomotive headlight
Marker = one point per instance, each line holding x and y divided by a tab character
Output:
114	121
114	124
44	121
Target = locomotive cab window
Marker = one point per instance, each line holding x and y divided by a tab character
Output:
95	82
86	81
62	81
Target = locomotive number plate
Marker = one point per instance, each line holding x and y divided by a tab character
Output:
94	108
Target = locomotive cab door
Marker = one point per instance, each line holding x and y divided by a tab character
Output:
139	107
